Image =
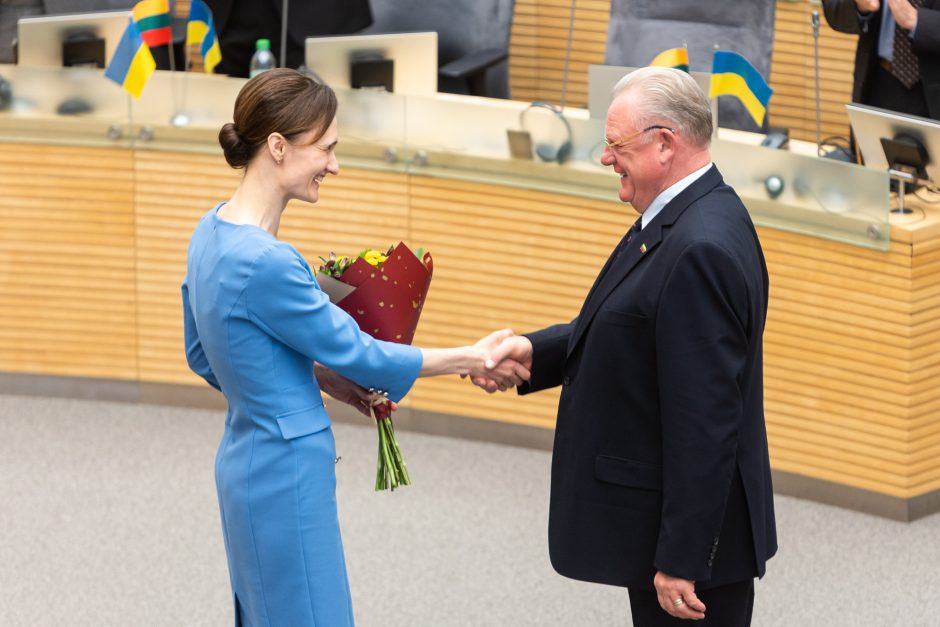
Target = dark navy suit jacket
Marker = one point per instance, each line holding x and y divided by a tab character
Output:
660	459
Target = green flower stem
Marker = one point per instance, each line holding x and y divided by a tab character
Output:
391	471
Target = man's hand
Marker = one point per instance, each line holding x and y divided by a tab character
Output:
510	361
500	372
868	6
677	597
905	14
344	390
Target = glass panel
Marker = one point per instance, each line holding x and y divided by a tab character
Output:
470	138
446	136
371	129
64	105
807	194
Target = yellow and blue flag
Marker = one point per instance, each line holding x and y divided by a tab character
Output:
200	29
732	75
132	64
674	57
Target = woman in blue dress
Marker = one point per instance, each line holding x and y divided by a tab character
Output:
259	329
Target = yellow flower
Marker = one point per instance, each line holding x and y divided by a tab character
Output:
374	257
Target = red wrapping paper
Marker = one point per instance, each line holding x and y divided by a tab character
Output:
386	302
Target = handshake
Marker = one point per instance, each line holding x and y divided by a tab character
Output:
498	362
504	360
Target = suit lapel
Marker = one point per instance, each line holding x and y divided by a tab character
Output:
641	247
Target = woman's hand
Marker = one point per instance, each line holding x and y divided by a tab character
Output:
344	390
502	368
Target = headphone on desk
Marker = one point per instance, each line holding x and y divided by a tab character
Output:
546	151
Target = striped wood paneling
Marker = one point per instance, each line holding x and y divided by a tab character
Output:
539	38
173	191
538	42
92	256
851	355
485	278
67	261
792	74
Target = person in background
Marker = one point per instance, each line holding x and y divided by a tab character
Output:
660	471
897	61
240	23
258	328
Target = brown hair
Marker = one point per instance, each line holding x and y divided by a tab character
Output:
276	101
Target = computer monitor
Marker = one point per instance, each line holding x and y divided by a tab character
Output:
871	124
414	57
40	39
603	78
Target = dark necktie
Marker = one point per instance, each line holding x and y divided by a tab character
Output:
904	65
633	232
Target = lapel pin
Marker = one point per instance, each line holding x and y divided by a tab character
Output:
642	248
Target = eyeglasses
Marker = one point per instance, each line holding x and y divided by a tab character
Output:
624	140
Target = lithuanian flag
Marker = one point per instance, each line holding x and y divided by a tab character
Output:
732	75
674	57
152	18
132	64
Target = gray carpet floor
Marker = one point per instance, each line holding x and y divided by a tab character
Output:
108	516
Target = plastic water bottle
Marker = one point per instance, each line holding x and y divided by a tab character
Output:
262	59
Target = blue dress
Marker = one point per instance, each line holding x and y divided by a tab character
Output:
255	321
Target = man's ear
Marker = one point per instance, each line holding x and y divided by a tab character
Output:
277	146
666	147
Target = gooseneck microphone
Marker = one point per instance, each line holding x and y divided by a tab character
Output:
815	21
284	34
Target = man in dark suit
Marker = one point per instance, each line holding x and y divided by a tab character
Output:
660	472
240	23
897	61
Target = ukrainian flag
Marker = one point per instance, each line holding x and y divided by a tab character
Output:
201	30
152	18
132	64
674	57
732	75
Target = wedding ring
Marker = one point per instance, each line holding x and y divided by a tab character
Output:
678	602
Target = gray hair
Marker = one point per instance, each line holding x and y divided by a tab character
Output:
669	94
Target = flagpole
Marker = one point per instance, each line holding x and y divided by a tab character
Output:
130	118
284	33
714	101
180	118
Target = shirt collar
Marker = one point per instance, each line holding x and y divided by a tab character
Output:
671	192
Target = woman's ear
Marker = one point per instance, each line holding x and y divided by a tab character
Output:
277	146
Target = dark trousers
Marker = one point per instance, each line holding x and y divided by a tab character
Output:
725	606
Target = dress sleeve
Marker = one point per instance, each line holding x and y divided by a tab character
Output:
195	356
284	300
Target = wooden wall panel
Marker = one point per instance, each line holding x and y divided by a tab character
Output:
67	261
792	75
173	192
93	252
492	273
850	359
539	39
538	43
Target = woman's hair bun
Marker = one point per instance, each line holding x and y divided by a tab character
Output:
237	152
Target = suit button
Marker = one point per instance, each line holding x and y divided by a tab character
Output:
709	563
566	380
715	543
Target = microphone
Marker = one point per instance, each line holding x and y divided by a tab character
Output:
284	5
815	22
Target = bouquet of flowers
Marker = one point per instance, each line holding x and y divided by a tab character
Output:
384	293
